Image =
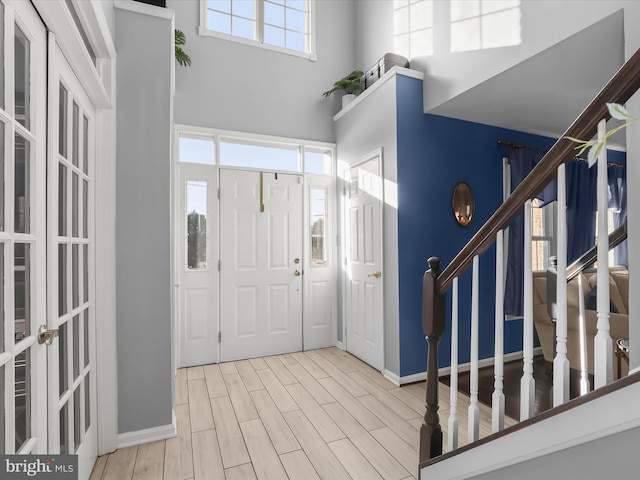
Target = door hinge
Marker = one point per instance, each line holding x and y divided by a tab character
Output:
218	193
219	264
219	337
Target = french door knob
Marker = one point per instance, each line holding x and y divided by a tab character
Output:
375	274
297	273
46	336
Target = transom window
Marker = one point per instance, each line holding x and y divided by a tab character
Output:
283	25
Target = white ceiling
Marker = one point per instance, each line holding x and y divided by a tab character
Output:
546	92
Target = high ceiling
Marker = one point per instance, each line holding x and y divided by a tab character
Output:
546	92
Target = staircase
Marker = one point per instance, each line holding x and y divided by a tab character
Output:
569	424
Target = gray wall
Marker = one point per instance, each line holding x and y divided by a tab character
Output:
143	232
250	89
608	457
367	127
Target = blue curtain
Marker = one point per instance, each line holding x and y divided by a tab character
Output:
581	216
618	203
521	161
581	208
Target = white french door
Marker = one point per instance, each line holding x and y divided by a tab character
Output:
261	263
47	334
23	136
71	266
364	291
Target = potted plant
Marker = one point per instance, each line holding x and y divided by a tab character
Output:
351	85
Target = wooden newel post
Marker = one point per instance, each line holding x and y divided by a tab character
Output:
433	324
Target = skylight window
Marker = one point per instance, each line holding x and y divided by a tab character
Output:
281	25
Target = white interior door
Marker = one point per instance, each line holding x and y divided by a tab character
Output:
197	265
364	292
261	263
71	266
23	375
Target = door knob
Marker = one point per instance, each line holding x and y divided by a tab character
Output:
375	274
296	260
297	273
46	336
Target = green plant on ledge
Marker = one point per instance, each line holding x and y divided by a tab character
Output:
594	146
182	58
350	84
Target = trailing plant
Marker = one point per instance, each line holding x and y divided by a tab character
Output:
350	84
594	146
180	39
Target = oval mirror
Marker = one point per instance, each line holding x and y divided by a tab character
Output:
463	204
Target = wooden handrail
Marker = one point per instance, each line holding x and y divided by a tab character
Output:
616	237
619	89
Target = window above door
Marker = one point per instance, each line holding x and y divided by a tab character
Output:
285	26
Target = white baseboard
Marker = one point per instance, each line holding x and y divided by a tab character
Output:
147	435
392	377
465	367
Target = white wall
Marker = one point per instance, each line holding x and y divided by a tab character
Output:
367	126
250	89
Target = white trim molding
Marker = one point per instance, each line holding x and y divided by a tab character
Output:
463	367
163	432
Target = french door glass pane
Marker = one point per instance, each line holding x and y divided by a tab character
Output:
62	358
2	409
76	418
87	402
85	209
22	77
22	185
62	122
86	337
22	399
22	279
74	205
1	309
62	200
75	154
64	430
85	272
85	145
62	279
318	210
76	346
2	64
1	163
75	273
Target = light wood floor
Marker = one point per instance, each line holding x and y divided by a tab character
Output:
321	414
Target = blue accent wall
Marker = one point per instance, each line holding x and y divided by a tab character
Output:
434	154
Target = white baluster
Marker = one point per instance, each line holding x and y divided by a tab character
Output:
474	410
527	383
452	433
584	367
603	345
560	362
497	400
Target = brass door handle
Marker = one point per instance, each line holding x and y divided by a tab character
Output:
297	273
46	336
375	274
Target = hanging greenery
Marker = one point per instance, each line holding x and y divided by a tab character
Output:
182	58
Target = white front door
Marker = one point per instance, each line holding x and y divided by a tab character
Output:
197	265
23	367
261	263
364	292
71	266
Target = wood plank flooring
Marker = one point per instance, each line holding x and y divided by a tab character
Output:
322	414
